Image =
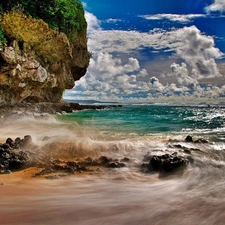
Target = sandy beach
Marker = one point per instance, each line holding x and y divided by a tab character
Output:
106	199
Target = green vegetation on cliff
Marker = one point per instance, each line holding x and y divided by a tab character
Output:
65	15
2	37
45	49
47	43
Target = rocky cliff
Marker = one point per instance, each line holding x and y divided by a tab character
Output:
37	64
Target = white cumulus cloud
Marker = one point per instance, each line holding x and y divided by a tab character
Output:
104	65
182	74
92	21
199	52
196	49
183	18
218	5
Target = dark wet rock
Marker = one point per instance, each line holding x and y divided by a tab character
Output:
104	160
70	167
12	157
5	146
177	146
9	141
187	151
90	161
167	163
19	143
2	150
111	163
125	159
189	139
67	166
22	153
17	140
74	166
155	163
19	160
77	106
5	155
174	154
116	165
201	141
42	110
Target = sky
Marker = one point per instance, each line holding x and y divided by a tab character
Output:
154	51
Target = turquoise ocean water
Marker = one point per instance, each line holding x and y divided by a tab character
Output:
136	130
148	120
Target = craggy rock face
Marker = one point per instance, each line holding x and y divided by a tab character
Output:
38	63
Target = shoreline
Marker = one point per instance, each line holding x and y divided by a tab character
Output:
57	159
43	108
101	195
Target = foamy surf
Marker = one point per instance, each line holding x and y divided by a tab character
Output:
126	195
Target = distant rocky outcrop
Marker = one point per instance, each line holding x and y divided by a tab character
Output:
37	64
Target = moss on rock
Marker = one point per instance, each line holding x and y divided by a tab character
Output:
38	62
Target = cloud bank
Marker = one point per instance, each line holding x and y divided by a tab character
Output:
115	75
182	18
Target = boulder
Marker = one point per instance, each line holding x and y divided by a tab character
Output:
189	139
167	163
12	157
110	163
198	141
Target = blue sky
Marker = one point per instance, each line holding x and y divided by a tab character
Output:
154	51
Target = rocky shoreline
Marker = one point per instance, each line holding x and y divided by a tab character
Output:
22	153
44	108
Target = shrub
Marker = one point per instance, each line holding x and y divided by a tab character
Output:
65	15
2	37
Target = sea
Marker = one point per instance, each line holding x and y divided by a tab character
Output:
129	195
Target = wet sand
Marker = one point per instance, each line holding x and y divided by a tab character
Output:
29	200
106	199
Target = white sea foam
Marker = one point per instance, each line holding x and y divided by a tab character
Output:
118	196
